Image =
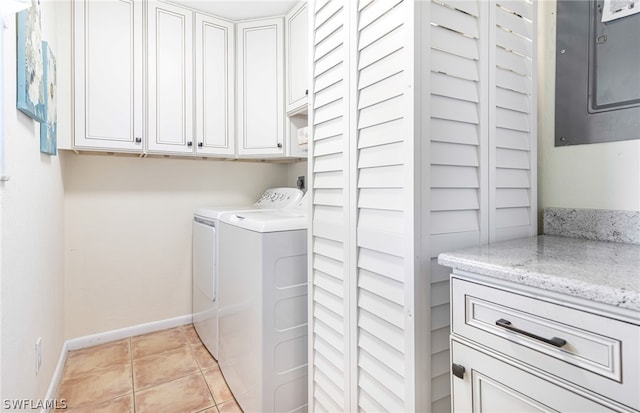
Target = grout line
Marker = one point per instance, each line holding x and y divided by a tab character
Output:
133	383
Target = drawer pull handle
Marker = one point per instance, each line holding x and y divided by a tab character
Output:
457	370
554	341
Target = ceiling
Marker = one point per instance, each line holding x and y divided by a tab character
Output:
241	9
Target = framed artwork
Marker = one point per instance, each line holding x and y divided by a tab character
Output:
49	128
30	67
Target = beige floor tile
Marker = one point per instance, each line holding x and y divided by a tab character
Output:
229	407
108	384
120	405
217	385
192	335
204	358
162	368
158	342
91	360
210	410
188	394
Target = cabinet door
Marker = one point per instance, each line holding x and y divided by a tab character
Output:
214	85
491	385
260	88
297	58
170	56
108	75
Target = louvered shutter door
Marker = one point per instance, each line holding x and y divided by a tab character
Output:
456	159
512	121
381	150
329	183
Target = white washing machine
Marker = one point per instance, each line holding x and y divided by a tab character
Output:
205	259
263	308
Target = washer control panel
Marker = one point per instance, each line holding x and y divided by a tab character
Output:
275	198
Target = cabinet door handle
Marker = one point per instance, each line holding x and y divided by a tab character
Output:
138	140
279	145
189	143
554	341
200	144
306	92
457	370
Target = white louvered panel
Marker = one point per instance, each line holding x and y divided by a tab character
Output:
381	285
380	27
455	43
381	177
388	44
513	62
444	222
453	109
327	394
442	405
512	217
508	79
328	180
446	199
383	68
319	4
389	242
439	339
454	65
376	262
439	363
512	197
467	6
381	134
379	92
508	20
329	231
328	248
381	198
326	12
509	233
328	266
364	3
391	334
381	155
376	347
328	214
454	87
512	178
380	307
333	197
385	221
439	316
512	159
453	241
386	378
385	111
329	146
512	139
328	283
328	321
445	176
328	112
380	399
511	119
375	11
440	293
440	389
443	153
328	163
329	352
329	44
453	19
327	28
509	99
523	8
327	62
513	42
443	130
327	129
328	78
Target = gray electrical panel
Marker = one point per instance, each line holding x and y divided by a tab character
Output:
597	74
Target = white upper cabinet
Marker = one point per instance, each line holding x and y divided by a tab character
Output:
260	88
214	70
108	75
297	59
170	78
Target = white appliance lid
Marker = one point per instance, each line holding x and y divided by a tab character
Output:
284	219
272	198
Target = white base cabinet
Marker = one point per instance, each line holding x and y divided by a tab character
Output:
526	350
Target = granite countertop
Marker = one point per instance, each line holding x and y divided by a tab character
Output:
600	271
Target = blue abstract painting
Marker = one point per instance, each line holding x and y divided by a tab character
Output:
30	66
49	128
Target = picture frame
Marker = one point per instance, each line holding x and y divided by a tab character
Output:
30	66
49	128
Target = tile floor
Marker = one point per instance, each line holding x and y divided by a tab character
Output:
166	371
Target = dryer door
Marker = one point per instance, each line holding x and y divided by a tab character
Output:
204	259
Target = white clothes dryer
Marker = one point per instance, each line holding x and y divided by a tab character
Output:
263	308
205	259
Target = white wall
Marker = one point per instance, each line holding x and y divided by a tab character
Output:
31	260
600	176
294	170
128	232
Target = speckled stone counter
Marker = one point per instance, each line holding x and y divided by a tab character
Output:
594	224
604	272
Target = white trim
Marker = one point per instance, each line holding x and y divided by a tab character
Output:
107	336
57	376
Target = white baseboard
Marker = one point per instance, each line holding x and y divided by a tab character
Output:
101	338
113	335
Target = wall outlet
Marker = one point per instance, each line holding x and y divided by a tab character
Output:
38	354
300	183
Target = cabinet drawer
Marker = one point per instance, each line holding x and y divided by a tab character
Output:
580	347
